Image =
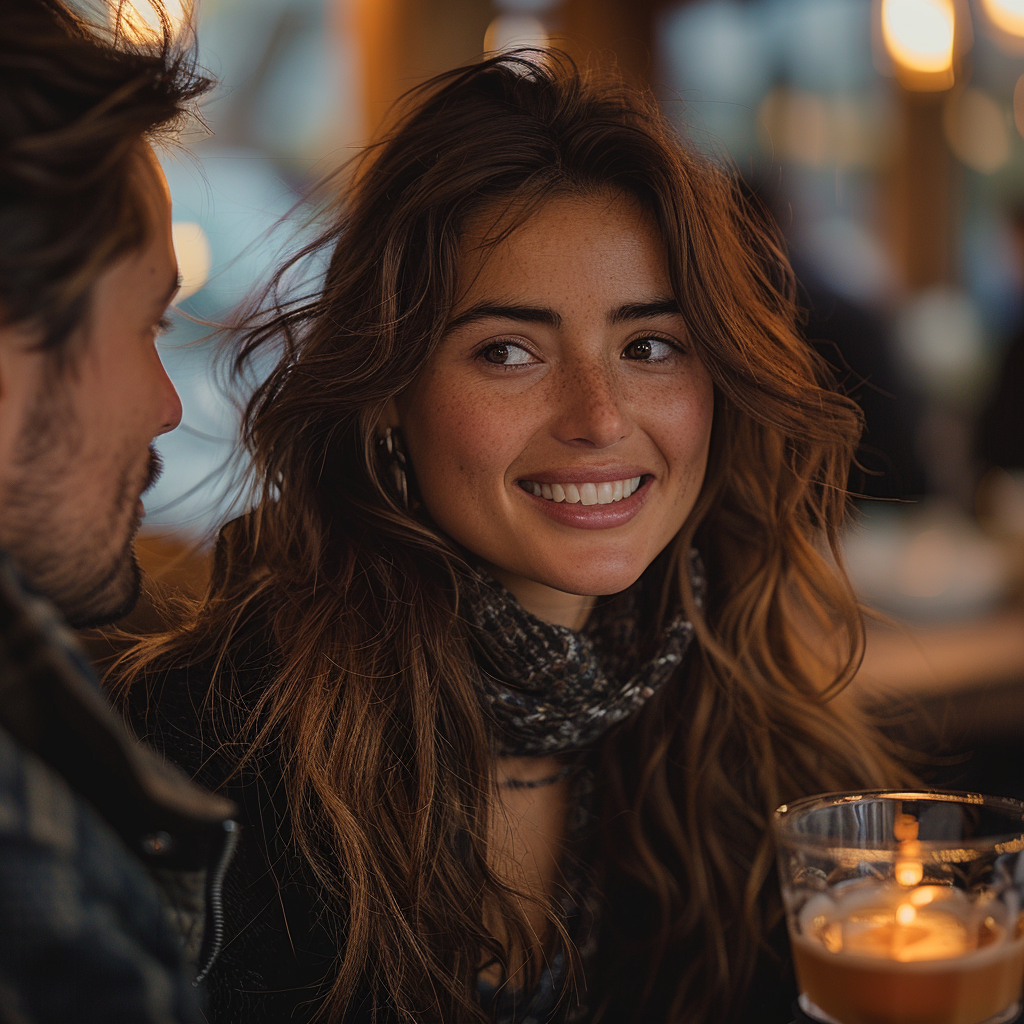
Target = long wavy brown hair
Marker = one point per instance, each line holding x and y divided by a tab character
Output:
372	709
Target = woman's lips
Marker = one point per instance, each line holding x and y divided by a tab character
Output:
597	516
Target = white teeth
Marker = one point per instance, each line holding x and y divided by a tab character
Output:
604	493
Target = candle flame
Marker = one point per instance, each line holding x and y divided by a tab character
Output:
909	872
924	895
905	914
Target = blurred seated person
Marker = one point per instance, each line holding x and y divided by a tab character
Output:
857	342
999	440
854	337
87	270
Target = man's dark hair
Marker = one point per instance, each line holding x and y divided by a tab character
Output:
76	99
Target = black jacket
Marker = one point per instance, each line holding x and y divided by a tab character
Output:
279	951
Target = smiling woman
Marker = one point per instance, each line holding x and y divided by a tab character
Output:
570	374
522	641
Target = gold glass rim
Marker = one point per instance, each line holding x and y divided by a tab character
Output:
1010	841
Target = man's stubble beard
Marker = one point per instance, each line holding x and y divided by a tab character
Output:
59	550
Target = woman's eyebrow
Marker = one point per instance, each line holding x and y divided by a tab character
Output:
645	310
526	314
545	315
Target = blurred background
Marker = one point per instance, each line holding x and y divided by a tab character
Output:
885	137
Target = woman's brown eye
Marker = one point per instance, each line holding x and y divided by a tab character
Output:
507	354
650	350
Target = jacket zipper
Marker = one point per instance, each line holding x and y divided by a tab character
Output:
213	935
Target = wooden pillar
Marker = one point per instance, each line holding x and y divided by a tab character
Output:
603	30
403	42
924	189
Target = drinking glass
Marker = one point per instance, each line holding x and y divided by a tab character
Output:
905	907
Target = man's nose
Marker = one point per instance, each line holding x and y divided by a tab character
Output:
170	402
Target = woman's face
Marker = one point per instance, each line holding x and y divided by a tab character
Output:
560	431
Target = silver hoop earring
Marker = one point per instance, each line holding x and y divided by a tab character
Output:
392	451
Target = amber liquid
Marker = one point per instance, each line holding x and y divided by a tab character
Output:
878	959
865	990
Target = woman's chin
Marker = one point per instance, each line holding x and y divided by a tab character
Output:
589	583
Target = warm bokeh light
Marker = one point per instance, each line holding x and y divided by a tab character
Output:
192	248
905	914
1018	105
511	31
925	894
1006	15
816	130
919	34
909	872
139	21
975	128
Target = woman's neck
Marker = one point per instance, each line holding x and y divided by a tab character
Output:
548	604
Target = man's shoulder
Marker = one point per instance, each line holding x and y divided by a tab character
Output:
46	826
81	924
36	803
58	855
52	709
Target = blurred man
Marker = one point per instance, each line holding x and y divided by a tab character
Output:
87	270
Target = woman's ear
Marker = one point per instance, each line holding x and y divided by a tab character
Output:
389	417
391	449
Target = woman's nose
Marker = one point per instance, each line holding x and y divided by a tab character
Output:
588	408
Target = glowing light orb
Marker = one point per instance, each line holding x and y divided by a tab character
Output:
1007	15
192	249
975	128
511	31
919	34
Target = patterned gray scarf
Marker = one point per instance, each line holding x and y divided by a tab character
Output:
552	689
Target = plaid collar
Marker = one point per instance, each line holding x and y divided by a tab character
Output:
51	703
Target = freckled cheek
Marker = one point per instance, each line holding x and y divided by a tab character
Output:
683	435
463	448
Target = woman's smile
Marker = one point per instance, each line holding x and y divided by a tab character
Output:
588	499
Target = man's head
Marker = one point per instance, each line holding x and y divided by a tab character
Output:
87	270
